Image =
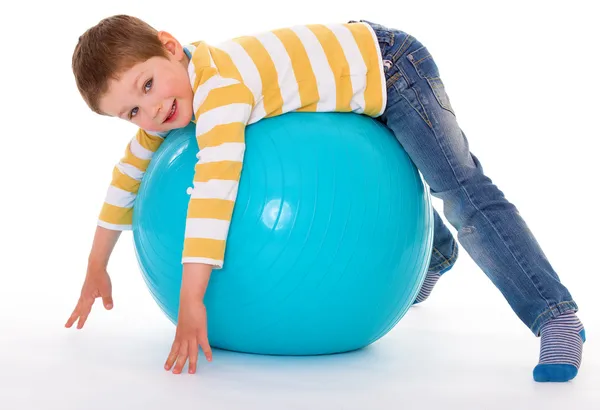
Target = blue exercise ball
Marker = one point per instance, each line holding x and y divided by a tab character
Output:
329	242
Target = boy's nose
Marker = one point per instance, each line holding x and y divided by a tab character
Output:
155	111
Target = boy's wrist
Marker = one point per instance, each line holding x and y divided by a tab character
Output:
95	262
195	279
102	247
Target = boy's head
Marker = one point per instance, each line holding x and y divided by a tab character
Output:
125	68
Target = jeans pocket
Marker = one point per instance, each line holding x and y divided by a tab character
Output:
425	66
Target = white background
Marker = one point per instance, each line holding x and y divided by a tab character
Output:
523	79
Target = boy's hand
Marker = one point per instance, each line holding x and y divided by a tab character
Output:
97	284
191	332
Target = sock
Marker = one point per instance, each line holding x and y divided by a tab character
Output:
430	281
561	349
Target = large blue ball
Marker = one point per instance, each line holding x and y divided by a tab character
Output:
329	242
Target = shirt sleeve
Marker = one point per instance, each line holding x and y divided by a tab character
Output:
222	109
117	210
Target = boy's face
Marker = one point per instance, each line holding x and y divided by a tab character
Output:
156	94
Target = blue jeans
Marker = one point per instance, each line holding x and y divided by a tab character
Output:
489	227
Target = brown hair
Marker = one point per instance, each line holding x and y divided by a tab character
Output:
109	48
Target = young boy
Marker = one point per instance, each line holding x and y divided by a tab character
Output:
126	69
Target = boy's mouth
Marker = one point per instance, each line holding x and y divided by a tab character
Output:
172	113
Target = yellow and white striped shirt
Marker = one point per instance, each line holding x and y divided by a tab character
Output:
311	68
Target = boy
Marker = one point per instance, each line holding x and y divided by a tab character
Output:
126	69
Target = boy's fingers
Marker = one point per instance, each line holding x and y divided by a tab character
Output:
108	302
182	358
172	355
206	348
76	313
193	352
82	320
72	318
85	308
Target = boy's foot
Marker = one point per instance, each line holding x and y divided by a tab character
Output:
561	348
430	281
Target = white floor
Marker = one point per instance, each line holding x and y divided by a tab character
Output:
447	353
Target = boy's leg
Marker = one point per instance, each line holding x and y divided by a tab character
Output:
443	256
489	227
445	248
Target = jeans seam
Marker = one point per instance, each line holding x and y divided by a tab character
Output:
392	80
536	326
408	39
424	58
446	261
425	119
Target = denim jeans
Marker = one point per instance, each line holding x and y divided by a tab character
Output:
488	226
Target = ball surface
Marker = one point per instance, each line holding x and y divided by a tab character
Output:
329	242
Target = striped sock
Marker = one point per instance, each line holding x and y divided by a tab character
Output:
561	349
430	281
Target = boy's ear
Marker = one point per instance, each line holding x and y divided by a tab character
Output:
171	44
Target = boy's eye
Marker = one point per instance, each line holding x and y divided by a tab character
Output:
147	87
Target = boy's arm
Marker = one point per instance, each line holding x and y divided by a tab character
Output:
222	112
97	282
102	247
117	211
222	107
115	216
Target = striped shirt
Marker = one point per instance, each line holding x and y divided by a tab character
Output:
311	68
